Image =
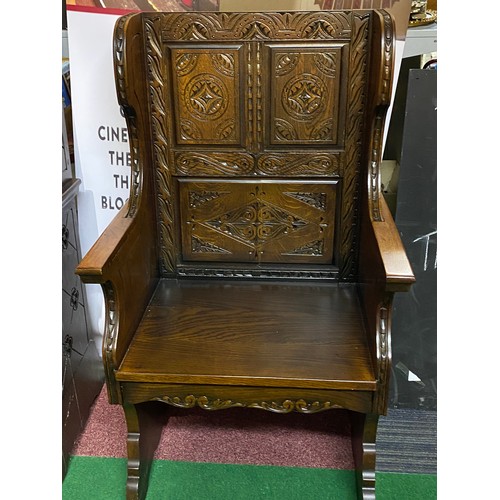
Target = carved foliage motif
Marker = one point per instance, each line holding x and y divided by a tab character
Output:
156	72
349	219
284	406
326	62
262	26
224	63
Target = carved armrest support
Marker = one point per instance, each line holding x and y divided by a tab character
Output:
123	261
384	269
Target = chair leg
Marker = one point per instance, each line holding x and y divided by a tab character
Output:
144	426
364	433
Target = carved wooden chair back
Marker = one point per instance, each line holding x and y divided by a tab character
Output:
260	125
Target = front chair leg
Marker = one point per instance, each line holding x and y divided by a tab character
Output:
144	426
364	434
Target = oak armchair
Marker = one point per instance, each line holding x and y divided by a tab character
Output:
255	262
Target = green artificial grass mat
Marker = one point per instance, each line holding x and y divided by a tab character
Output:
98	478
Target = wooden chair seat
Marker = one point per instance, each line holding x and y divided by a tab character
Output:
244	333
255	262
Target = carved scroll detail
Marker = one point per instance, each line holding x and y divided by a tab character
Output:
323	131
213	164
129	113
374	171
226	130
299	164
374	189
320	27
285	406
388	58
109	339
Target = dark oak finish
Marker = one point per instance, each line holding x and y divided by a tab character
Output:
251	333
255	262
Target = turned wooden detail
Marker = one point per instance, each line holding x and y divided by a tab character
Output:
256	260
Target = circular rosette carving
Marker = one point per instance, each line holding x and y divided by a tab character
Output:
206	97
303	96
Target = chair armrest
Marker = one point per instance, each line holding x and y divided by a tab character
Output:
396	266
124	262
97	265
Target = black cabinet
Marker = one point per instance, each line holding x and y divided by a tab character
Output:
82	371
413	142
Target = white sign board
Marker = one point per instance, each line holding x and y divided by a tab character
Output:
101	140
102	157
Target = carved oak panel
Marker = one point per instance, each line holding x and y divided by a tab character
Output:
207	92
247	221
189	120
304	86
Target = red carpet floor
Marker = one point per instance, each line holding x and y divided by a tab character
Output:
234	436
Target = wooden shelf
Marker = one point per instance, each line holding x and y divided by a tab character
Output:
251	333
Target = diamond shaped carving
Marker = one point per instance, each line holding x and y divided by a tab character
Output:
206	97
303	96
257	222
